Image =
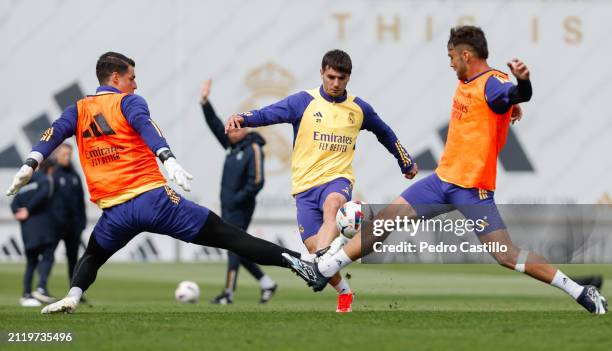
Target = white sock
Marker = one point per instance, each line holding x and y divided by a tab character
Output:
337	244
75	292
564	283
266	282
343	287
331	265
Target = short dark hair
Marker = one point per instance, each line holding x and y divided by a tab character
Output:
112	62
471	36
338	60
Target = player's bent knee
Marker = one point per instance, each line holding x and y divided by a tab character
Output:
332	203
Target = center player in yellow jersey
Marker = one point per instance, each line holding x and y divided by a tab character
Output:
482	110
118	147
326	122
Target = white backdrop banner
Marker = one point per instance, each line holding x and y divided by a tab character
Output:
257	52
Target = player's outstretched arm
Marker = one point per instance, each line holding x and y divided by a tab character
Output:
61	129
288	110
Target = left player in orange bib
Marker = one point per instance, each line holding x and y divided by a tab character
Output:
118	144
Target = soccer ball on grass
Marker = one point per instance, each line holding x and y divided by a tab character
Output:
187	292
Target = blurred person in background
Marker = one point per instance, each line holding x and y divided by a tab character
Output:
32	208
243	178
68	204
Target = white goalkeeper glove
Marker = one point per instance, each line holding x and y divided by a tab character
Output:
24	174
22	178
177	174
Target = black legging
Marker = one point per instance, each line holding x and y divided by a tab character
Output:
43	258
72	240
234	260
218	233
215	233
87	267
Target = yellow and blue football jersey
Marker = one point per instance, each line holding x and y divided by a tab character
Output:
325	134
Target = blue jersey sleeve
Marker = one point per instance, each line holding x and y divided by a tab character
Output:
502	94
385	135
497	94
136	111
288	110
61	129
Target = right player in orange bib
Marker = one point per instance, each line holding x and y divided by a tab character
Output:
484	105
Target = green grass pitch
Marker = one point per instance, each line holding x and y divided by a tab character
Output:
398	307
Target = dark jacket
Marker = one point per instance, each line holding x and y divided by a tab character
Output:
68	202
37	229
243	172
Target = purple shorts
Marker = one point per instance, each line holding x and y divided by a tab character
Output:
431	196
309	204
160	210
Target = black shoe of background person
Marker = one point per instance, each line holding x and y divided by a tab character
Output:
223	299
266	294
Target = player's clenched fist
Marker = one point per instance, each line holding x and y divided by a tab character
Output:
234	122
412	172
518	69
